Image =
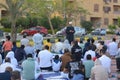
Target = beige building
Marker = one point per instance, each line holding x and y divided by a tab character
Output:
2	10
101	12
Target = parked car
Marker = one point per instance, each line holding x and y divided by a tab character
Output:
99	31
117	32
31	31
78	31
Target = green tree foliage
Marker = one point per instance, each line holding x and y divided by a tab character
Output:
43	21
5	22
87	25
57	22
23	22
15	10
40	8
119	22
112	28
73	10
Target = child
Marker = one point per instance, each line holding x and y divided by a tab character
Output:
56	63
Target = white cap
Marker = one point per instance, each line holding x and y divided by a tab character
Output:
70	22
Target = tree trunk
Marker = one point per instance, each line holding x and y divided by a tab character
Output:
51	26
13	31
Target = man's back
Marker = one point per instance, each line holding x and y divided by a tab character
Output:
28	72
112	48
20	54
106	62
5	76
75	67
58	47
45	58
24	41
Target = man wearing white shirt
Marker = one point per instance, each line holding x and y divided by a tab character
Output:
92	53
112	48
58	46
105	60
37	39
45	59
29	49
24	41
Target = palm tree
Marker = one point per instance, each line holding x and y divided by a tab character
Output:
14	9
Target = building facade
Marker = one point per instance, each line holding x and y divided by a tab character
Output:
102	12
2	10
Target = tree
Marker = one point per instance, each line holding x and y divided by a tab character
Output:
42	7
73	10
112	28
119	22
15	10
87	25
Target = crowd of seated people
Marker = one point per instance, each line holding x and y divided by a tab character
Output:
79	59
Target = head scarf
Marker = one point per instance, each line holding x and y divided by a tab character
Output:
12	58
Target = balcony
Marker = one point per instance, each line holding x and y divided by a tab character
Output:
107	1
116	9
116	12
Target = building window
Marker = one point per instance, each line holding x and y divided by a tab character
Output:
4	13
106	9
115	1
106	21
96	7
115	21
107	1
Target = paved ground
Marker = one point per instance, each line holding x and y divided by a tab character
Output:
114	73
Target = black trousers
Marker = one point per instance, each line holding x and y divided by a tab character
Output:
118	63
46	68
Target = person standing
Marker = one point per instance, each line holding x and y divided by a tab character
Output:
37	39
70	32
112	48
7	46
118	57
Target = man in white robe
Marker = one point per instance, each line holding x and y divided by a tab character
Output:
37	39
